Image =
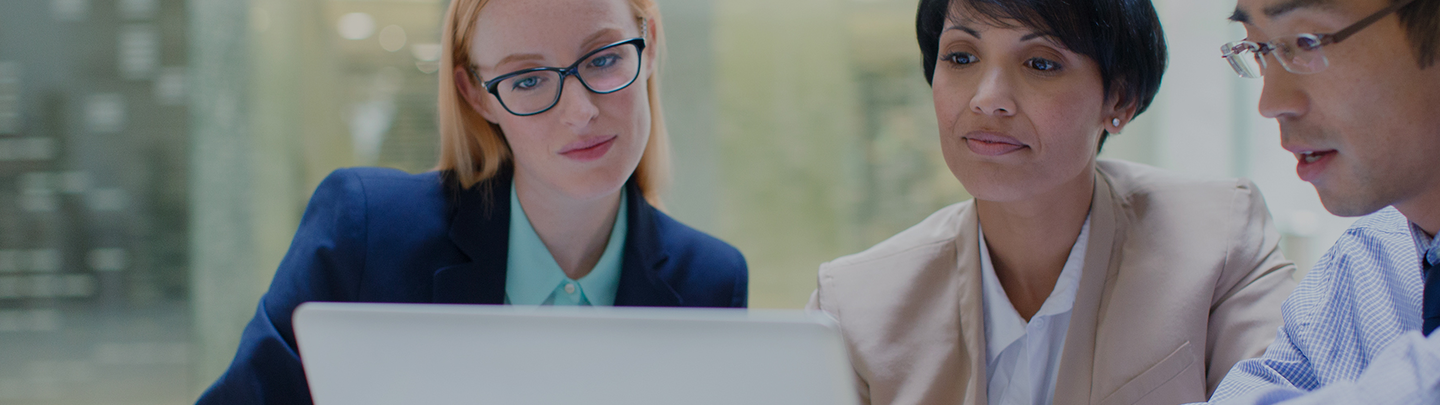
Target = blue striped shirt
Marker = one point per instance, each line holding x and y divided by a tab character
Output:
1352	328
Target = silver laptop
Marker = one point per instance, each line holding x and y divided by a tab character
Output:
464	354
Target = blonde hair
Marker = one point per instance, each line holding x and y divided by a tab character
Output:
474	150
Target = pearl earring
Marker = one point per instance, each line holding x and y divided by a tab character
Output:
1115	122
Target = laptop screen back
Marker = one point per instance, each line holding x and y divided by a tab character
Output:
462	354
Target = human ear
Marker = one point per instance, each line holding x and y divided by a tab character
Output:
649	26
472	93
1119	112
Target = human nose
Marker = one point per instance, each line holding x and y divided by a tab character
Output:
577	109
993	95
1282	96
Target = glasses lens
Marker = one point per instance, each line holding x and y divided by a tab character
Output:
529	93
1301	54
1243	58
611	69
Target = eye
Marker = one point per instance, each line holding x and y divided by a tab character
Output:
1043	65
1307	43
525	82
604	61
960	58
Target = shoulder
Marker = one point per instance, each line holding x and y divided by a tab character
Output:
1374	246
1376	243
702	269
385	190
1167	208
902	300
385	207
1373	258
381	185
887	276
1366	286
1215	235
1136	183
1386	226
938	231
694	248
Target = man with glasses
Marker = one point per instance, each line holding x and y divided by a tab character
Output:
1354	87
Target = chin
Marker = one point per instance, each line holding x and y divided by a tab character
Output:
992	182
1353	205
995	188
1000	196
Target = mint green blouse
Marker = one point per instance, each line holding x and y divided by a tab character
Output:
532	277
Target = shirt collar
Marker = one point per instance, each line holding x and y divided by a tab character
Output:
532	275
1426	246
1003	324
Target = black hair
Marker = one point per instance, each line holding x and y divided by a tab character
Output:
1422	27
1123	37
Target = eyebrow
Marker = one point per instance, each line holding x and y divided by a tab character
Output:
518	57
976	34
590	40
967	30
1241	16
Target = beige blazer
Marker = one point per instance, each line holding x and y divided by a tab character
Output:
1182	279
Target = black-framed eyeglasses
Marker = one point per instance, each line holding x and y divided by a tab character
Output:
602	71
1300	54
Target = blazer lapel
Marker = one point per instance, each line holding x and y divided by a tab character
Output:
480	228
1077	364
972	305
641	284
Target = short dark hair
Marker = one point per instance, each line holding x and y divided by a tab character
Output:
1422	27
1123	37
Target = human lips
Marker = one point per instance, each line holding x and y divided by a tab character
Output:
991	143
588	148
1311	162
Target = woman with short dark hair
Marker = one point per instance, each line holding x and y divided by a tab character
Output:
1068	279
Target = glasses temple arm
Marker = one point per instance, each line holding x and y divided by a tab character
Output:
1345	33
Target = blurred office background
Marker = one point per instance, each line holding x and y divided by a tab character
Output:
155	155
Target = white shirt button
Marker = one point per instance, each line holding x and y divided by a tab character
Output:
569	288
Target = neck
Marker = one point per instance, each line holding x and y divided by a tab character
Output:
1029	240
575	231
1423	210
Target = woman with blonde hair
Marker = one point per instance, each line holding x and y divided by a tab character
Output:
544	194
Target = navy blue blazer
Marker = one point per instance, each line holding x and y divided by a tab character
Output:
382	235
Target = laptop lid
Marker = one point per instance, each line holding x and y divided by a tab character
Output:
360	353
